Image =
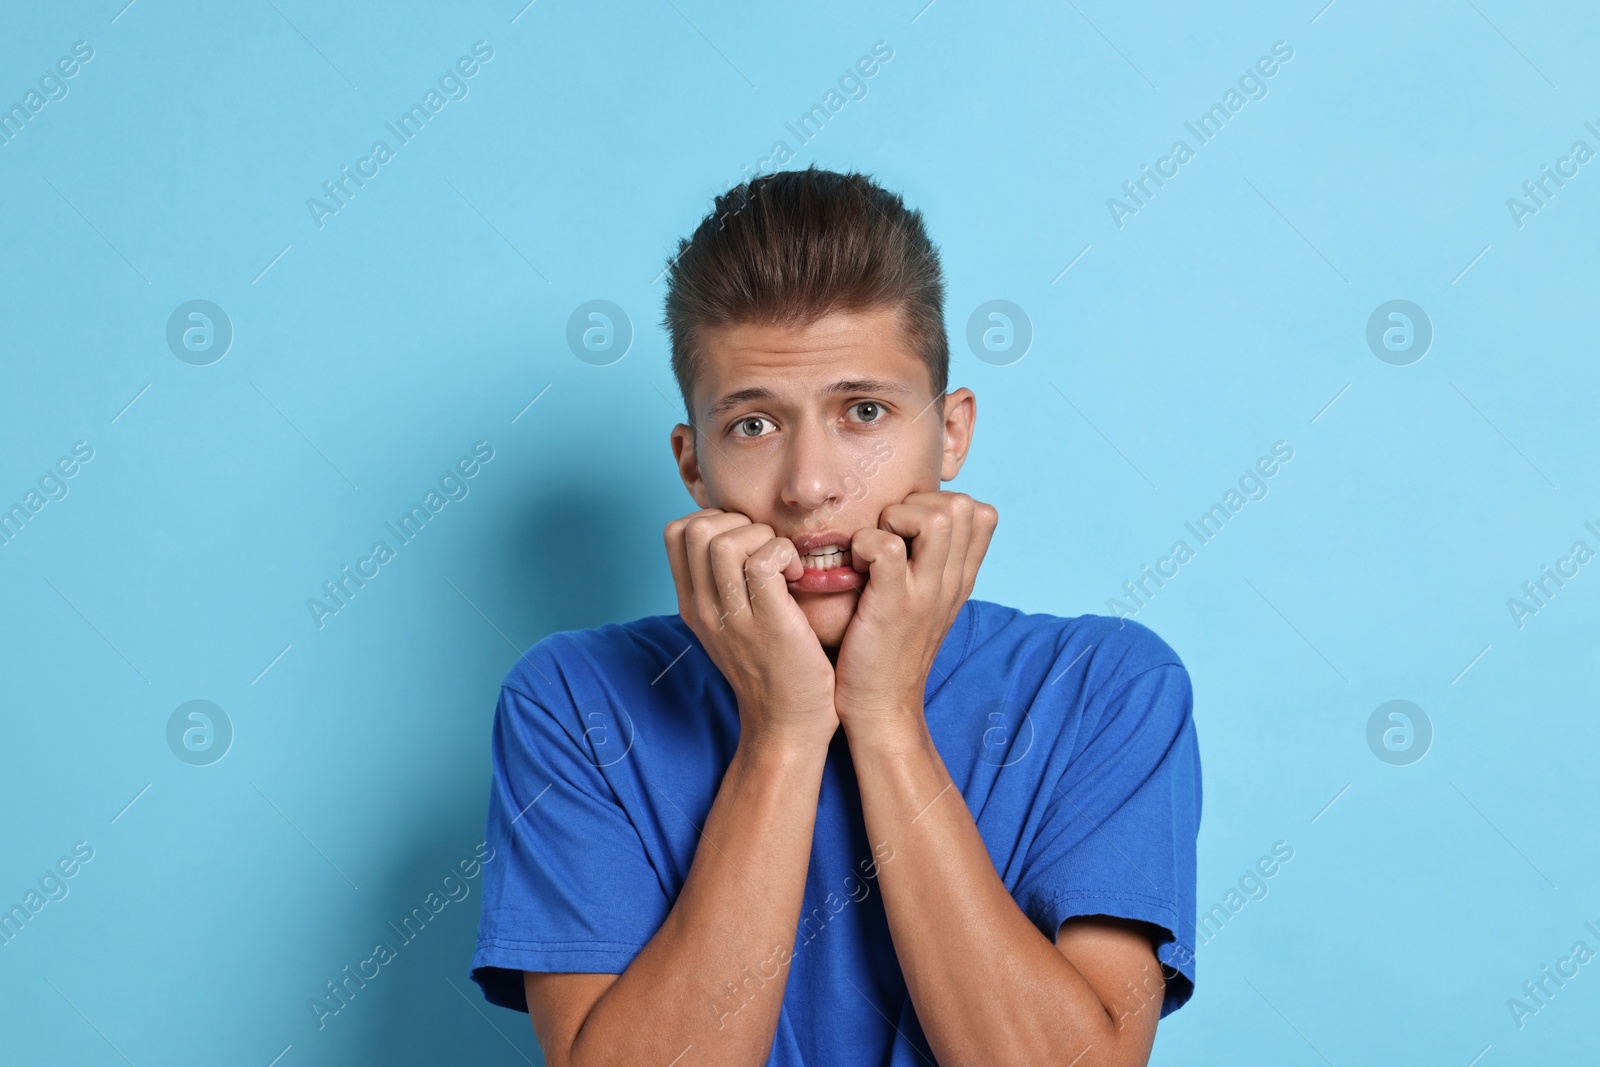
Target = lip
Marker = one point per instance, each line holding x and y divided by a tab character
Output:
833	580
806	542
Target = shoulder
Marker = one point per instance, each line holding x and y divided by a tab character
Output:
1093	663
1110	648
1126	648
569	664
575	696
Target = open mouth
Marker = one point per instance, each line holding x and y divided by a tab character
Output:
827	570
826	559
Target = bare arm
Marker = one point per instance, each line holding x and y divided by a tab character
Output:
988	987
712	978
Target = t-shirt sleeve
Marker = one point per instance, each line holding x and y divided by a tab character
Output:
1119	833
569	887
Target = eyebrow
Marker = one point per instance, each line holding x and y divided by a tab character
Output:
848	385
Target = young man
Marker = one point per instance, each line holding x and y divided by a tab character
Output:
833	811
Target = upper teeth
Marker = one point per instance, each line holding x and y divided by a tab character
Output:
825	558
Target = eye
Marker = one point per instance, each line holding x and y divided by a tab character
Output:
872	407
740	426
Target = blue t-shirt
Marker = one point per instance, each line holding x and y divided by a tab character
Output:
1072	741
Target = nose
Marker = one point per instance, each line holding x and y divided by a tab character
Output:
811	477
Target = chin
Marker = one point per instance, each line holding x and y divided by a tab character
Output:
829	614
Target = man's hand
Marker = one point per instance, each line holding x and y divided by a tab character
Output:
910	601
731	575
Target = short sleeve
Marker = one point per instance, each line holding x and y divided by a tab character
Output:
569	887
1119	833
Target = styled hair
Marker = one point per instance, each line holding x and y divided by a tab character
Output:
790	247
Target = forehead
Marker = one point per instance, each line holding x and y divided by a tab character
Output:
758	360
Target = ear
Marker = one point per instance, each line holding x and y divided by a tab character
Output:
960	415
688	464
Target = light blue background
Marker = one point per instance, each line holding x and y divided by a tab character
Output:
368	355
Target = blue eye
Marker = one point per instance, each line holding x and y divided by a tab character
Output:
746	421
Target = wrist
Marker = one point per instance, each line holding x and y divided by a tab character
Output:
775	747
893	737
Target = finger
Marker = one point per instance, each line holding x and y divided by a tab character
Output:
698	535
962	509
729	551
767	573
881	556
929	528
678	557
984	520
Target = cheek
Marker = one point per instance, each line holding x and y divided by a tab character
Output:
891	485
743	483
908	463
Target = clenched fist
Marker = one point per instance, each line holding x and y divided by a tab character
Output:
731	576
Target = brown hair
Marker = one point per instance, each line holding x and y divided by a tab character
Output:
790	247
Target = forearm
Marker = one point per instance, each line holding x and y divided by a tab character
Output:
713	975
987	986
